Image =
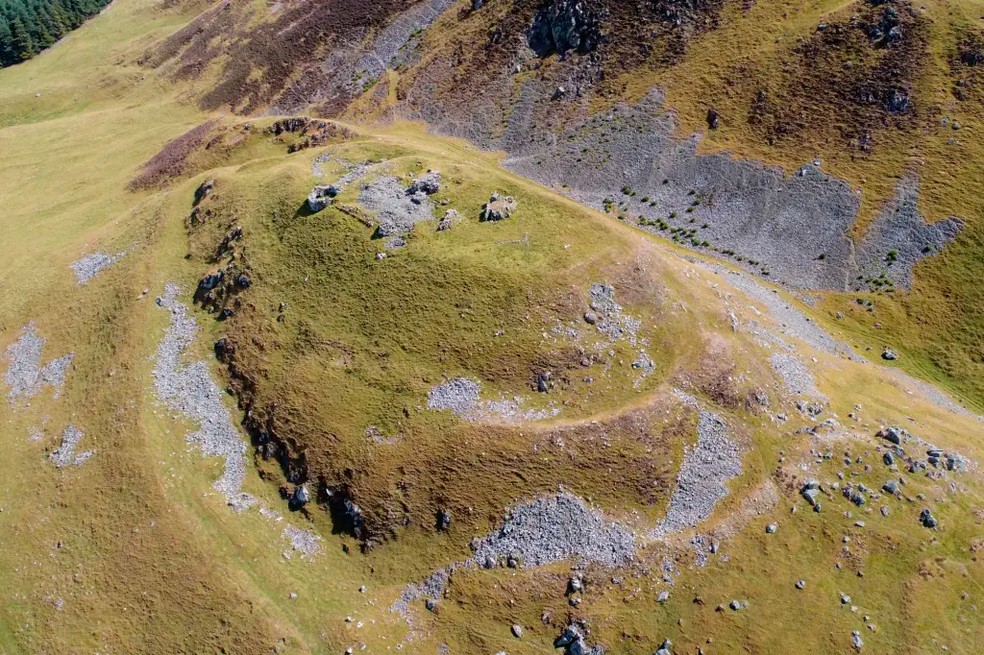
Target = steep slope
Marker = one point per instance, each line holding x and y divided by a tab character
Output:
387	425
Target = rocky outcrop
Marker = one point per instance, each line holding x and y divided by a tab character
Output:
565	25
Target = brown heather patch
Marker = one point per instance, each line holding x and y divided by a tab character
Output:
172	161
837	85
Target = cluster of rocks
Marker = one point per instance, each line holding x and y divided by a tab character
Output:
702	479
65	454
397	209
564	25
607	315
574	642
89	266
305	542
189	390
498	207
935	457
450	218
25	376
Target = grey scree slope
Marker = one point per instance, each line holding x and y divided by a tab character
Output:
25	376
706	469
189	390
89	266
544	530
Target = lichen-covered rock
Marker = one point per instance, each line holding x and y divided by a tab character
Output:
429	183
321	196
450	217
498	207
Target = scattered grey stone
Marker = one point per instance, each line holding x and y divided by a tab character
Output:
189	390
663	596
25	376
443	519
889	459
705	471
555	528
590	318
856	640
395	242
461	396
891	487
572	640
795	376
564	25
884	510
893	434
771	528
306	542
801	584
517	630
89	266
899	238
845	599
65	454
889	354
450	217
734	605
395	210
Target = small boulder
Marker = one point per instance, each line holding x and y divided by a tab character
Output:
450	217
429	183
801	584
301	495
498	207
713	119
889	459
856	640
771	528
927	519
443	519
517	630
590	318
889	354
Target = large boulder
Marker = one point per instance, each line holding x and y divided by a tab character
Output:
321	196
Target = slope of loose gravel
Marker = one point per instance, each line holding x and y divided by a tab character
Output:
189	390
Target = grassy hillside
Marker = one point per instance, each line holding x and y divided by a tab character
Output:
134	551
